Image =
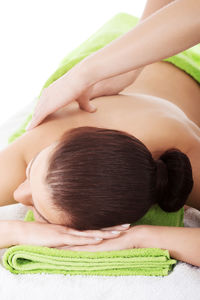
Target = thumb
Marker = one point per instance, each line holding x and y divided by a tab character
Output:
87	106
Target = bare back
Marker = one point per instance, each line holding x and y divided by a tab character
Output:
138	109
144	109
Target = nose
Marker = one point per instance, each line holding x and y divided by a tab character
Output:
23	193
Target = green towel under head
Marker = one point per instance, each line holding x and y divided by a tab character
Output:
25	259
111	30
144	261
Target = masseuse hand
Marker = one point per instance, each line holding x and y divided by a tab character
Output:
156	37
69	88
52	235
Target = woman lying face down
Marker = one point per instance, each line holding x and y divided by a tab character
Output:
95	177
109	168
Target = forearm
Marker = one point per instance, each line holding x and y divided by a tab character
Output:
163	34
128	77
183	243
7	233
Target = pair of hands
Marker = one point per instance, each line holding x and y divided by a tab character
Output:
62	237
74	86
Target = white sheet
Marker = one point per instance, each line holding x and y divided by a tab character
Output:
182	283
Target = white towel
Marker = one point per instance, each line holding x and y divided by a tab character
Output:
182	283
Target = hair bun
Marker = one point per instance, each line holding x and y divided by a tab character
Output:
174	180
161	178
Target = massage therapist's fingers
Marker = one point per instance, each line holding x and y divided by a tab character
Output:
42	110
84	101
87	106
47	105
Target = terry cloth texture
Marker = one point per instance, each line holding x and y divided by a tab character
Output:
24	259
111	30
188	60
117	26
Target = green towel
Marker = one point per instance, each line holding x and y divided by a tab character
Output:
115	27
25	262
188	60
25	259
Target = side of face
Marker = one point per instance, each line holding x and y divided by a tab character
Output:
33	192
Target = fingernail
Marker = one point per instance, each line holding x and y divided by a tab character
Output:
98	239
125	225
115	232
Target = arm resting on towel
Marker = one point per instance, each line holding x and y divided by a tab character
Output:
183	243
170	30
8	234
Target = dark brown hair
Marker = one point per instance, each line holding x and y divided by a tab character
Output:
104	177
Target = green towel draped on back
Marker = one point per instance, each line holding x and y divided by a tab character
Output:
147	261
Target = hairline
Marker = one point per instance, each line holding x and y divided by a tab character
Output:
29	172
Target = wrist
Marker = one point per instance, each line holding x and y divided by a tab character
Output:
21	233
140	236
83	74
16	227
17	231
146	236
8	236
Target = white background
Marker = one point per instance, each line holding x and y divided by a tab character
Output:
37	35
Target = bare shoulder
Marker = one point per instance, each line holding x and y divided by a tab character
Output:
175	131
13	162
12	171
35	140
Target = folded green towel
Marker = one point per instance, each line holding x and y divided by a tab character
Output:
35	259
25	259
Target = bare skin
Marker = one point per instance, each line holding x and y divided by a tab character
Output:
151	119
144	109
137	110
